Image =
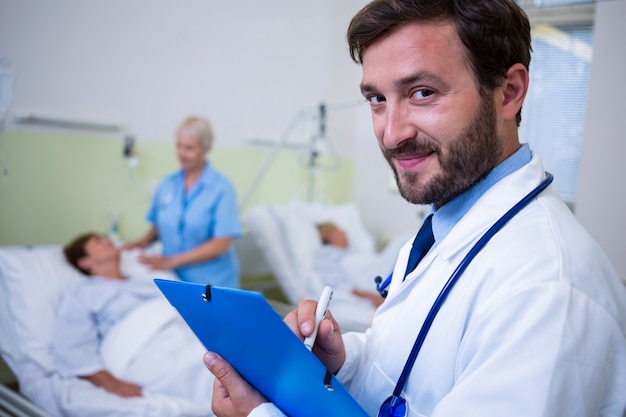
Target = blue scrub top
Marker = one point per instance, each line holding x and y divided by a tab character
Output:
185	221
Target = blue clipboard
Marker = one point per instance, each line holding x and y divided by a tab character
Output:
246	331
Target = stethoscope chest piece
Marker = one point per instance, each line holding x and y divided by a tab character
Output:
394	406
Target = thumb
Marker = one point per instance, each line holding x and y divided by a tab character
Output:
218	366
230	380
231	391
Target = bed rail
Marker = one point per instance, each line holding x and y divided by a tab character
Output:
13	404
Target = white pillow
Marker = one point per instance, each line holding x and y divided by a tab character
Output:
303	242
288	238
269	234
31	283
347	217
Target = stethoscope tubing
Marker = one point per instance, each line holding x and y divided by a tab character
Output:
457	274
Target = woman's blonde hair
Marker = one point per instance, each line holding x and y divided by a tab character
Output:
200	129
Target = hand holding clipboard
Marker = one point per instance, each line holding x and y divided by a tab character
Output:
278	364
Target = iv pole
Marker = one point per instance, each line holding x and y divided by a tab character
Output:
7	85
269	160
315	152
315	147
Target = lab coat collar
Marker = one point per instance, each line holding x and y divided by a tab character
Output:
486	211
491	206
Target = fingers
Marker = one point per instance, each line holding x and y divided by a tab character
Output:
143	258
156	262
302	320
218	366
329	347
151	261
232	395
124	389
130	391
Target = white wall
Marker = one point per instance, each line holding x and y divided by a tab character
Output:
602	193
248	65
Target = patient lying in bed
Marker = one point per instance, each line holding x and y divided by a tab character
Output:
336	264
85	330
289	239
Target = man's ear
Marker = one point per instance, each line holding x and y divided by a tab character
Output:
514	90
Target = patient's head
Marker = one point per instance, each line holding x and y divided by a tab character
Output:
331	234
91	251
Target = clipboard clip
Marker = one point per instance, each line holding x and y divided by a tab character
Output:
207	293
327	379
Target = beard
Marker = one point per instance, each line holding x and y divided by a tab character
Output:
467	160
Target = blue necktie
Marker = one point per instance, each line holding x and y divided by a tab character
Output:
422	243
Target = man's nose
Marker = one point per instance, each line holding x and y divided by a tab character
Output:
397	125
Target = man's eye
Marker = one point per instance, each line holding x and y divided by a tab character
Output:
422	93
376	99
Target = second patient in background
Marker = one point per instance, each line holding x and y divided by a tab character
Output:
331	262
194	214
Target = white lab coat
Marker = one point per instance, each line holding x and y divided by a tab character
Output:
536	326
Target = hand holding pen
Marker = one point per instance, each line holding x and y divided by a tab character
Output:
328	342
320	313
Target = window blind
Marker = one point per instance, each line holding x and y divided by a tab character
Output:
553	116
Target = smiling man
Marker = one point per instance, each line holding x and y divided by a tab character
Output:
513	309
435	129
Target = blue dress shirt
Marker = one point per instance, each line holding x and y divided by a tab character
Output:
450	213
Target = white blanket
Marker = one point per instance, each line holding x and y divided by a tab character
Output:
127	338
152	347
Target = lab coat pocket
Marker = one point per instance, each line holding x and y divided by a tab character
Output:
376	386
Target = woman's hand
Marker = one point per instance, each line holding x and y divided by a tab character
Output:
160	263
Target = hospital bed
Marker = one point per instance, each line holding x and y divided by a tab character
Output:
31	282
287	236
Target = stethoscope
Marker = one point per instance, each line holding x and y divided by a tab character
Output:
396	405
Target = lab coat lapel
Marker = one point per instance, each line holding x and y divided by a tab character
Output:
489	208
448	253
398	285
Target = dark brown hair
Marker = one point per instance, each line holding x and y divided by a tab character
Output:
75	250
495	33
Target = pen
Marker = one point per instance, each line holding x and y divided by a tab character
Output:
320	313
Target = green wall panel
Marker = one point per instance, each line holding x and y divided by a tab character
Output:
58	185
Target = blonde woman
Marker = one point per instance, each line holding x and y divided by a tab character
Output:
194	214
